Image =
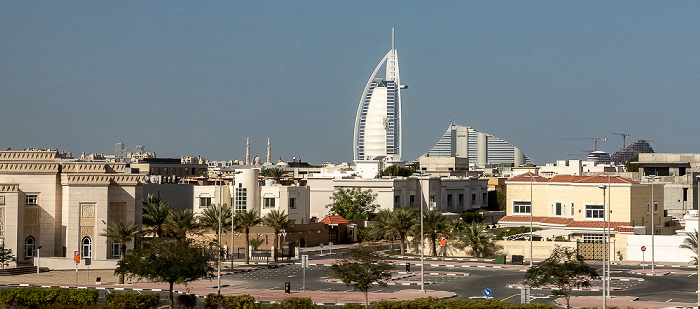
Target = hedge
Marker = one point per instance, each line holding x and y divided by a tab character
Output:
133	300
37	297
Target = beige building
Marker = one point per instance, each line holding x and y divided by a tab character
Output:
575	205
61	206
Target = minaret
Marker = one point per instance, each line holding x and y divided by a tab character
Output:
269	152
247	151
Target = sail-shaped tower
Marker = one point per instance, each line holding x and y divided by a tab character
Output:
377	134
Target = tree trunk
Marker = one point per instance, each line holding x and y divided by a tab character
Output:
247	246
403	245
122	255
366	300
274	244
171	295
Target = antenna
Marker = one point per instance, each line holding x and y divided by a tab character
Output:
392	38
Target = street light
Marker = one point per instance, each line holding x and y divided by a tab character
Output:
606	229
651	179
531	209
698	231
605	300
422	236
218	274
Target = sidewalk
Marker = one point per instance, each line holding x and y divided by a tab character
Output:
620	302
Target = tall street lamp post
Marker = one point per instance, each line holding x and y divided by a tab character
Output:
652	210
218	273
531	210
605	299
698	231
422	235
606	227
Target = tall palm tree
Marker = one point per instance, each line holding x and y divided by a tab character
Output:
379	228
479	240
244	221
691	243
434	226
209	218
400	223
121	233
181	223
277	220
274	172
155	212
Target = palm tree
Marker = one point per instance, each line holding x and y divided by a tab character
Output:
181	223
434	226
379	228
210	218
400	223
155	212
278	221
121	233
273	172
691	243
244	221
479	240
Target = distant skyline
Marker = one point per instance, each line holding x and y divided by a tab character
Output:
191	78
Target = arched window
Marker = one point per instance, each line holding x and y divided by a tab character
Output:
29	247
87	247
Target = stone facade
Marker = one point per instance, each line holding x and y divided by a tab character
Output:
62	206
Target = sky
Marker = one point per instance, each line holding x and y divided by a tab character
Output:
198	77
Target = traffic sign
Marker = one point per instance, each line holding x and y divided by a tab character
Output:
305	261
644	248
443	241
321	245
76	257
487	292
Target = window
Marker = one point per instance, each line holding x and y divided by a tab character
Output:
204	201
412	200
558	209
268	202
592	238
29	247
449	200
397	200
681	171
484	197
685	194
648	208
241	199
594	212
32	200
521	207
114	253
292	203
474	199
460	199
572	210
656	207
87	247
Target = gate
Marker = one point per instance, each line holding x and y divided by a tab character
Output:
593	250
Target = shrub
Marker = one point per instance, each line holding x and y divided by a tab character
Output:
35	297
187	300
295	303
133	300
214	301
352	306
513	231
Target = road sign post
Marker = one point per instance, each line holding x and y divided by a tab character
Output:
487	293
76	259
321	245
443	245
644	249
304	265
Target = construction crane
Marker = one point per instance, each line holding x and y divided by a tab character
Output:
595	140
624	136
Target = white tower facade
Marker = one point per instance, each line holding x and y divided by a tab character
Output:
377	134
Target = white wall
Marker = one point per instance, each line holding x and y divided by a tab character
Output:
666	249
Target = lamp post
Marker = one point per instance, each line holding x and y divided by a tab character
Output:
218	272
422	235
605	299
531	209
698	231
651	179
606	229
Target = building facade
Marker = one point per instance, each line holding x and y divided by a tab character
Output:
57	207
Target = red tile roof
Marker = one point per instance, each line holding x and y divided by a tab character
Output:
525	177
334	220
600	178
521	219
569	223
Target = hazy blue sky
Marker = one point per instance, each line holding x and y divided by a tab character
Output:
198	77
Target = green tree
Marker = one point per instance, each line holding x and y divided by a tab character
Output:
379	228
471	216
181	223
121	233
278	221
401	222
691	243
362	268
482	243
209	218
434	226
155	212
631	165
244	221
564	269
6	256
395	170
273	172
167	260
497	201
352	204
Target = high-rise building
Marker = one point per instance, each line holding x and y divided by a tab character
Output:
377	134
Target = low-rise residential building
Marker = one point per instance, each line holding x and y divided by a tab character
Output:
447	194
678	172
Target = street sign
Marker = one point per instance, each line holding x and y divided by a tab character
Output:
487	292
644	248
88	261
76	257
321	245
443	241
305	261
